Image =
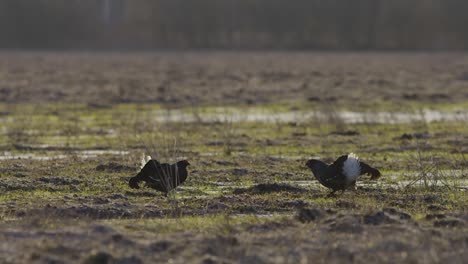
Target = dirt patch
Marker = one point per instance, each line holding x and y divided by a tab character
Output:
59	181
239	172
396	213
115	167
98	210
305	215
449	223
378	218
407	136
14	186
200	78
265	188
335	236
345	224
23	147
345	133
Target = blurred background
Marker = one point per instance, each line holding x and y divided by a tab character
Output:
234	24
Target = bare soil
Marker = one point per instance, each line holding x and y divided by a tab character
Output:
220	78
74	127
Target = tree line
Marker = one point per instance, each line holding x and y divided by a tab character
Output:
235	24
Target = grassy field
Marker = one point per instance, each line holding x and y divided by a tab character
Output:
74	128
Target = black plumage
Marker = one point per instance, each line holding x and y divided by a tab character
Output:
161	176
342	173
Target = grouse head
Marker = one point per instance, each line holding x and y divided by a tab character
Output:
313	163
310	163
133	183
183	163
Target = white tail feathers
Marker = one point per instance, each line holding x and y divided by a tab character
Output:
352	155
144	160
351	167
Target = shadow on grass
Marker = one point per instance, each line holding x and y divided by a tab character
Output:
265	188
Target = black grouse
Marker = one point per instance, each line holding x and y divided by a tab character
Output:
161	176
343	173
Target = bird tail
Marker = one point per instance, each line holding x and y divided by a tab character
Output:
144	160
352	155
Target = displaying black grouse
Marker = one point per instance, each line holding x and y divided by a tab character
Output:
161	176
343	173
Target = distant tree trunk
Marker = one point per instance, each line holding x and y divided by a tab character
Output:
345	10
373	24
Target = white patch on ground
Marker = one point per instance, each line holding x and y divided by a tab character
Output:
85	154
233	115
351	167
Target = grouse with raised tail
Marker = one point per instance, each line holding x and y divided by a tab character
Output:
343	173
161	176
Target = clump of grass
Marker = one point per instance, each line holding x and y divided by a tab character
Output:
21	130
228	134
17	133
332	117
429	175
165	151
